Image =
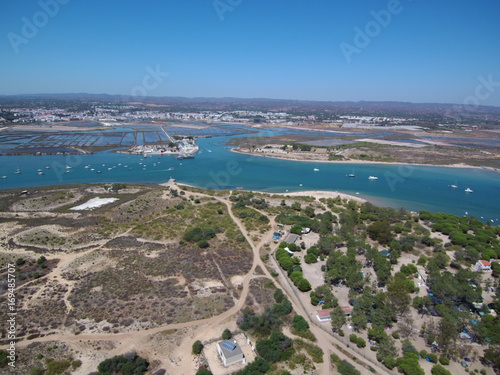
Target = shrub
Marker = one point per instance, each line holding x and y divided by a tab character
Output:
389	362
257	367
197	347
127	364
443	360
274	349
36	371
423	353
360	342
433	358
226	335
304	285
56	367
345	368
439	370
299	323
335	358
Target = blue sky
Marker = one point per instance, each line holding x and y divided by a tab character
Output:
419	51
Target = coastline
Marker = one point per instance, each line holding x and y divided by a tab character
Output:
317	194
460	165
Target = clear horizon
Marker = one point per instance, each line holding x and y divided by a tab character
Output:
400	51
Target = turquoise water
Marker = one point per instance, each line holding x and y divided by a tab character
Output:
216	167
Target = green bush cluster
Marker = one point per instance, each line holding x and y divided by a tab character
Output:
127	364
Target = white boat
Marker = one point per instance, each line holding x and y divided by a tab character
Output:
18	171
316	170
469	190
171	168
40	173
372	177
4	176
453	186
351	174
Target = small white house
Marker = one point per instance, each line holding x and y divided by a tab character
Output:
324	315
230	353
483	266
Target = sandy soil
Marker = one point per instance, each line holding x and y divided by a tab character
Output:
94	203
325	194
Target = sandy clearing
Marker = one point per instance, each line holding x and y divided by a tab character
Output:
94	203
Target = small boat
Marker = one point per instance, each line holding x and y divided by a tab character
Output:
316	170
300	184
47	167
18	171
453	186
469	190
87	166
40	173
99	172
67	167
351	174
4	176
373	178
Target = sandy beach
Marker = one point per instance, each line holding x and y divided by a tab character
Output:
325	194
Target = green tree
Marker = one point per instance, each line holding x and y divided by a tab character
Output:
304	285
380	231
409	365
226	335
197	347
495	266
274	348
398	290
338	319
257	367
20	261
358	320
